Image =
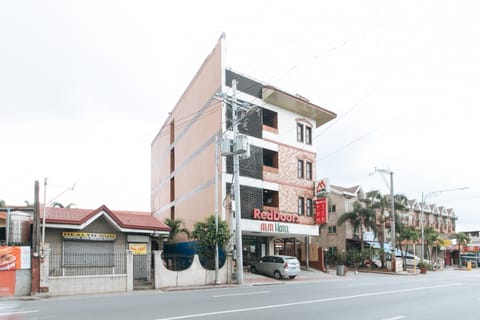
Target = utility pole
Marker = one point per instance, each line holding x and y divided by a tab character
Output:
216	208
392	216
236	187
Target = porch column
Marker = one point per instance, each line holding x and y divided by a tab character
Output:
129	261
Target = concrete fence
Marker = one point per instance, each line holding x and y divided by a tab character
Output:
86	284
195	275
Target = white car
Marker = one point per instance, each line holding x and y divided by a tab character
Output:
410	259
277	266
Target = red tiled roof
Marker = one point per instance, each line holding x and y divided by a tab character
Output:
125	219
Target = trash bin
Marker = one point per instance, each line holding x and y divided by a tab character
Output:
340	270
469	265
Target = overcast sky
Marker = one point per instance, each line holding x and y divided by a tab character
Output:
86	85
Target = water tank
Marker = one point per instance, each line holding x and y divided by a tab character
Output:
19	228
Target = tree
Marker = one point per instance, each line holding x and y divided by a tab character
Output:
208	238
361	217
28	204
176	228
431	236
408	234
60	205
383	203
462	239
2	203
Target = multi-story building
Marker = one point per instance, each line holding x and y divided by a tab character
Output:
337	239
276	177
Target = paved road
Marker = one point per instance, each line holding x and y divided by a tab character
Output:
450	294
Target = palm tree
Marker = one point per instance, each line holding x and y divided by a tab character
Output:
462	238
431	237
28	204
360	217
176	228
58	204
408	234
383	204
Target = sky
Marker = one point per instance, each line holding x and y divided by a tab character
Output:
86	85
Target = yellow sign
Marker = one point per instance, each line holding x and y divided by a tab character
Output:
138	248
89	236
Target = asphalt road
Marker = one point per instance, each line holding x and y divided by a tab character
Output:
451	294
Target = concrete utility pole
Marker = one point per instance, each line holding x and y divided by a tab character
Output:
216	208
236	173
392	216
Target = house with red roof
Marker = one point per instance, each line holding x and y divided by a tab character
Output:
94	242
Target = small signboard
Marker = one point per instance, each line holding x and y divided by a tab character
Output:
321	211
138	248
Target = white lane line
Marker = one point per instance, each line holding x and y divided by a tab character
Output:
395	318
241	294
17	312
198	315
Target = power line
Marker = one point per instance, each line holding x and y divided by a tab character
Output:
356	104
350	143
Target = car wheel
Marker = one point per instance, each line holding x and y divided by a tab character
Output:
253	269
292	277
277	275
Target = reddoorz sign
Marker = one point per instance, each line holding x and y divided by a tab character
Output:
273	215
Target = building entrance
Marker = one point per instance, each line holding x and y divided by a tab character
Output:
253	249
287	247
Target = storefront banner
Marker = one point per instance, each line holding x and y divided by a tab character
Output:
89	236
267	227
321	211
12	259
138	248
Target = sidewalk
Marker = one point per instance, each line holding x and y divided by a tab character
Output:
305	275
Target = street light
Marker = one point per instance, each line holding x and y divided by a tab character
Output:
422	215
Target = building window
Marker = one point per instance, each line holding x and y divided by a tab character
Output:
308	170
332	251
332	229
269	118
301	206
332	208
309	207
270	158
299	132
300	168
308	135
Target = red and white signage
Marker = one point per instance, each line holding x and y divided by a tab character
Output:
321	211
323	186
273	215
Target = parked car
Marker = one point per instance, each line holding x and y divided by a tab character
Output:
410	259
277	266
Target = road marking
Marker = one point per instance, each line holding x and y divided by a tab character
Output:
241	294
17	312
395	318
198	315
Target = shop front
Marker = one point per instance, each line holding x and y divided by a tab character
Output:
271	232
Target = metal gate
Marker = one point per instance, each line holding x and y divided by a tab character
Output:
140	267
